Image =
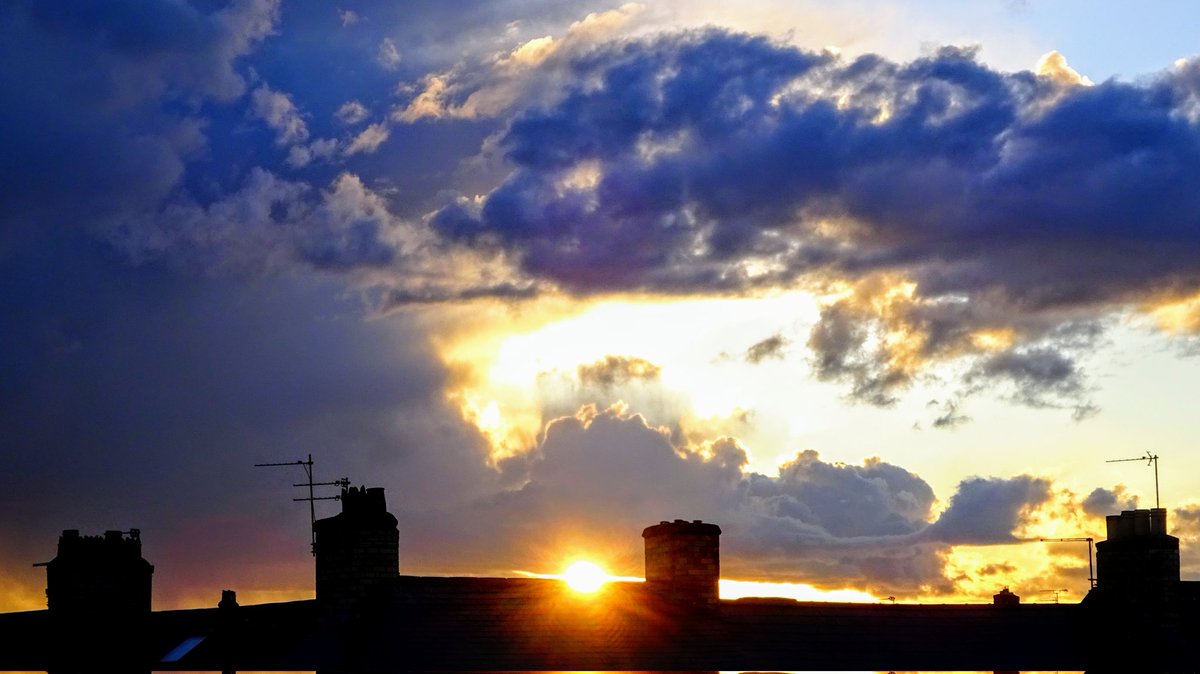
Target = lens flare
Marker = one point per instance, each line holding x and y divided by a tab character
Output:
585	577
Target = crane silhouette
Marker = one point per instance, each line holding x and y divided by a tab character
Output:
1079	539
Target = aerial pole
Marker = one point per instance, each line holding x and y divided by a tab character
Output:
1150	459
312	498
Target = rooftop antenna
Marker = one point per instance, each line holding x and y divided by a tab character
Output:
312	498
1150	458
1079	539
1056	593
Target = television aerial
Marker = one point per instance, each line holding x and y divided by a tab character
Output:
1150	459
312	498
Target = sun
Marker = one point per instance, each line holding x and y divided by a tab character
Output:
585	577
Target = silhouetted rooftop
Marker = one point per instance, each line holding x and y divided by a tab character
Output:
476	624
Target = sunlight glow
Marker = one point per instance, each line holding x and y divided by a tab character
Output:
994	340
738	589
585	577
1178	316
516	372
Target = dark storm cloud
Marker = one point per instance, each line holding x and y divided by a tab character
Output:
102	106
134	398
725	162
692	162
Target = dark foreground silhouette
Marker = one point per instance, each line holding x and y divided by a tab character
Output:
367	618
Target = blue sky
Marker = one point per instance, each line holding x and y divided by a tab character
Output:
876	286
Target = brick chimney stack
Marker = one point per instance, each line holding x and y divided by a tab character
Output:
1139	561
357	550
683	563
99	576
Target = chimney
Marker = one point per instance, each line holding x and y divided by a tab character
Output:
99	576
683	563
1006	597
357	550
1139	561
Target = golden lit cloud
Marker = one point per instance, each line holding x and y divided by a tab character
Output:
994	340
513	367
1177	316
1054	66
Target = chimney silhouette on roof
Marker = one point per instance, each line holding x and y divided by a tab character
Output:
99	576
1140	560
683	563
357	550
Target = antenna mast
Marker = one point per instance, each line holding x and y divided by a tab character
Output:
1056	593
1150	459
312	498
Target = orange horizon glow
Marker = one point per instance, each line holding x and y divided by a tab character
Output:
585	577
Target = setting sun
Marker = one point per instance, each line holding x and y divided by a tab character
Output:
585	577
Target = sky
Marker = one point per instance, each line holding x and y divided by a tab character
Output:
876	286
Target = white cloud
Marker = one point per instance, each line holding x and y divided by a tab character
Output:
302	155
348	17
388	56
369	140
351	112
280	113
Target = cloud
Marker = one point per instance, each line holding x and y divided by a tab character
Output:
964	209
270	225
532	71
388	57
771	347
369	139
600	475
351	112
1101	501
1054	66
398	297
302	155
617	370
280	113
1040	377
131	397
951	416
84	144
1007	503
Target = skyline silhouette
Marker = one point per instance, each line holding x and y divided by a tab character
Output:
367	616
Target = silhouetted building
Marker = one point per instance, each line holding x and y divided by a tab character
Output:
683	562
1140	560
101	575
357	550
367	617
1006	597
98	594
